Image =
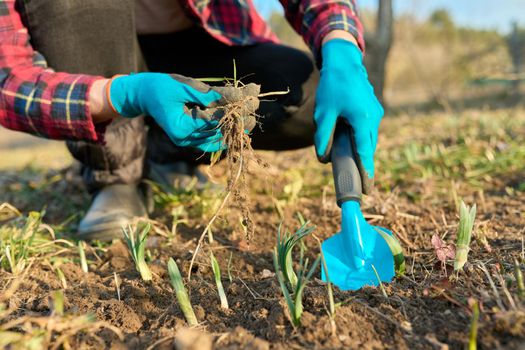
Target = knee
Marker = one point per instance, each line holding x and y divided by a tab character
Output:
303	85
282	68
297	68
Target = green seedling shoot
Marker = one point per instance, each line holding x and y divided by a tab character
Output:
294	301
180	291
473	337
136	241
17	246
397	251
117	284
217	273
230	277
285	245
466	223
329	290
57	301
292	284
82	254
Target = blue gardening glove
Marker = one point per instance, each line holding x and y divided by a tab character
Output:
344	93
167	99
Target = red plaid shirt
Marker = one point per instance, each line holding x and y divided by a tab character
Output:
36	99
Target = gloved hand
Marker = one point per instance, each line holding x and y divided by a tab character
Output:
344	93
167	99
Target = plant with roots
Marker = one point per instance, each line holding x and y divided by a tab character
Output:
237	117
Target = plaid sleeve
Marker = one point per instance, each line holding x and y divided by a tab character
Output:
313	19
34	98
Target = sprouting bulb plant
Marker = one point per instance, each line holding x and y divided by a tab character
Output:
293	284
466	223
136	240
285	244
294	301
180	291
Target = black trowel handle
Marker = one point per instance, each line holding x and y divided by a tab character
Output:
344	166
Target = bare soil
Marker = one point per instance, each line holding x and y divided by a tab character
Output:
424	309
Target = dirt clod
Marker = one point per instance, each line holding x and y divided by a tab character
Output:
191	339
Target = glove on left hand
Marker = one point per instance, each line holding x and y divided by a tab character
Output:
176	103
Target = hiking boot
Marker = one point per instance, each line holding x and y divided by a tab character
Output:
113	206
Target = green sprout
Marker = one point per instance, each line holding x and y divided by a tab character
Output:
117	284
383	290
16	248
57	300
230	277
217	272
466	223
283	264
329	289
60	275
395	248
285	245
136	241
295	301
472	344
82	253
180	291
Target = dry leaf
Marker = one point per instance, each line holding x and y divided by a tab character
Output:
443	251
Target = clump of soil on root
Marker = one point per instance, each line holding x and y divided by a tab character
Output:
238	120
236	114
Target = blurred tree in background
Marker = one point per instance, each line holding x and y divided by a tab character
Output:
441	19
378	46
516	47
438	61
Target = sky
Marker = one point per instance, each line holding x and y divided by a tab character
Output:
483	14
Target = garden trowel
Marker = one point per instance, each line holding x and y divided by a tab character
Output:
361	254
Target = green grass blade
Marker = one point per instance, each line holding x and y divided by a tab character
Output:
303	281
235	81
288	299
61	277
57	298
213	80
136	242
472	344
383	290
82	253
217	273
329	288
230	277
397	251
284	249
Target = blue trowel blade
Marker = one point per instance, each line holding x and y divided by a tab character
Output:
351	253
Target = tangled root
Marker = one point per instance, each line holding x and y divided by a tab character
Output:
236	113
239	118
